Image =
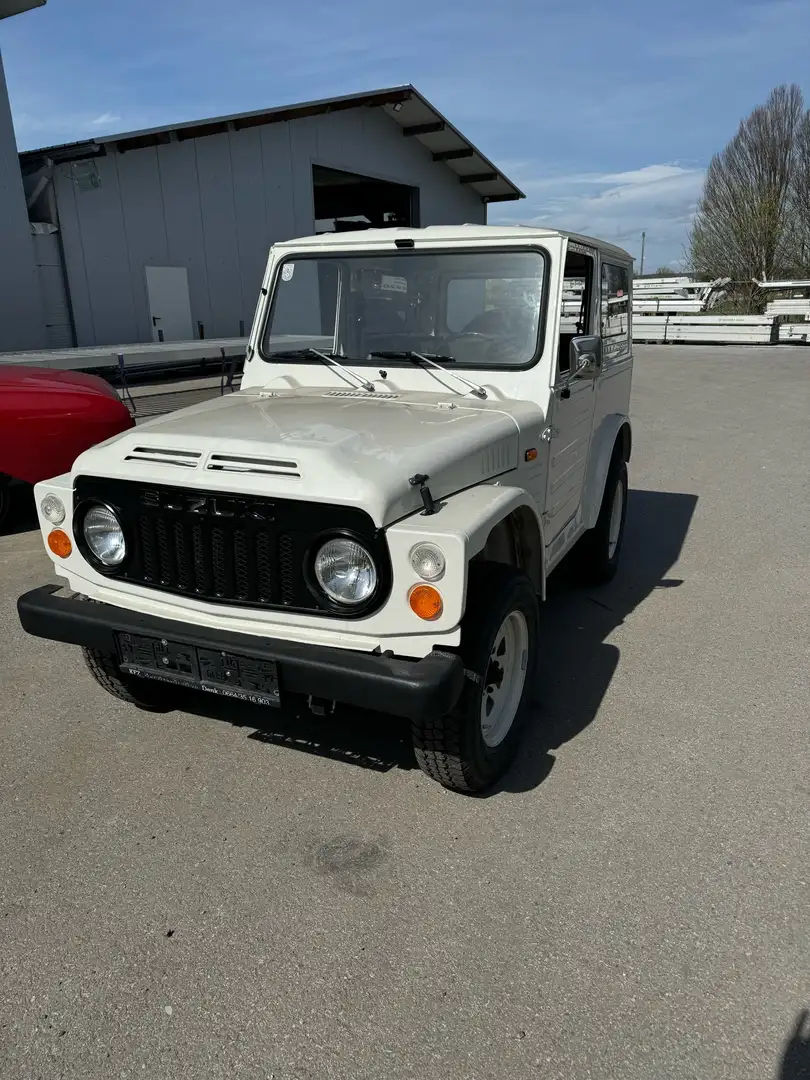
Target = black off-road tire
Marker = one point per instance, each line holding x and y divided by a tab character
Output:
152	697
451	748
595	563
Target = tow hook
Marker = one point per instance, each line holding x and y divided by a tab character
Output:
319	706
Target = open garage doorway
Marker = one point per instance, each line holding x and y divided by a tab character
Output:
346	202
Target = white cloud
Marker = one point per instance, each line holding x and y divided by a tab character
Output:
104	120
659	199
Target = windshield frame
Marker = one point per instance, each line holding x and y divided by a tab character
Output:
404	253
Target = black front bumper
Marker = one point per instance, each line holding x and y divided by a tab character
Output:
410	688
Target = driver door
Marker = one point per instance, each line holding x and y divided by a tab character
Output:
573	401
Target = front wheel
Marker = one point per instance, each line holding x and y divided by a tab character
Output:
150	696
471	747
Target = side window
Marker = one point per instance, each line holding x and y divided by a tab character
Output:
615	312
576	317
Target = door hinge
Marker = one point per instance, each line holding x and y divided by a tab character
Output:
548	433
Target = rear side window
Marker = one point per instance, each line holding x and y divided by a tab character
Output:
615	312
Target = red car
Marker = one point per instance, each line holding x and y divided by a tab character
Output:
48	418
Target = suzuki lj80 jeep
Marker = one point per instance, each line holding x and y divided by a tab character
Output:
429	421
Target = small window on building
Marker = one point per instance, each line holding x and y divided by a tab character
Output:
615	312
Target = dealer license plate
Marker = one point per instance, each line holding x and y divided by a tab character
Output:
212	670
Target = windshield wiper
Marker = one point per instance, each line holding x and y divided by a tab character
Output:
327	358
431	359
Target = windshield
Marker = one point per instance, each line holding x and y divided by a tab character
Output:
479	309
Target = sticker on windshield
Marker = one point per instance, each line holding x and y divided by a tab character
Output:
393	284
287	271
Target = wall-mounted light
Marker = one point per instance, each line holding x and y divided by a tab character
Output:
398	106
85	175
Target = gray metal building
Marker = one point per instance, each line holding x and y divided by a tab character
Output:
163	234
22	321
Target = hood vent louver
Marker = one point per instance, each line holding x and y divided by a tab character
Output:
163	455
377	396
263	466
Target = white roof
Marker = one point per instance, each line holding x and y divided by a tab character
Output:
418	119
450	234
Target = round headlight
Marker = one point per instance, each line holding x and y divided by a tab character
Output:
345	571
53	509
104	535
428	561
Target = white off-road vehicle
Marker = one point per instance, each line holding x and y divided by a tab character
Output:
429	420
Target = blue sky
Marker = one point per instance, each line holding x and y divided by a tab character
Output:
606	114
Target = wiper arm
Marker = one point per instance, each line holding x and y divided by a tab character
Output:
328	359
431	359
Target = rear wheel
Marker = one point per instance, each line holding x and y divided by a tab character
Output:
151	696
472	746
599	549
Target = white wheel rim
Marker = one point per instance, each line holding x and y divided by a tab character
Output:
616	520
504	678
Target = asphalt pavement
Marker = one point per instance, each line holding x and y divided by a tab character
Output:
231	893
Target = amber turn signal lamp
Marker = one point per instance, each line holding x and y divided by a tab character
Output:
425	601
59	543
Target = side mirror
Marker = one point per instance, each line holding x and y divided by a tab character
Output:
585	357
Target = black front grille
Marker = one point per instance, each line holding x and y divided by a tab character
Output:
229	548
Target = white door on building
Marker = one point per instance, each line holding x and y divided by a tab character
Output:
169	305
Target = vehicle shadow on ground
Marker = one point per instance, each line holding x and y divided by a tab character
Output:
578	662
795	1064
576	668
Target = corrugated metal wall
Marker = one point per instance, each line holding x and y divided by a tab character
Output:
22	324
215	205
48	258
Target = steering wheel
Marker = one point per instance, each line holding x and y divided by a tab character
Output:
471	334
491	347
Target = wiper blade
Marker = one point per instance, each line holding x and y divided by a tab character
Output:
409	354
329	359
432	360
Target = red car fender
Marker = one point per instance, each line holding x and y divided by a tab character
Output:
48	418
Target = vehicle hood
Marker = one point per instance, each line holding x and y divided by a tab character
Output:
342	447
39	379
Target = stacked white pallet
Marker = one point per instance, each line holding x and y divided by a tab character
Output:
802	284
661	286
794	306
660	305
674	290
794	333
704	329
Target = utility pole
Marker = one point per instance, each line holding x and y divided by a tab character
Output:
643	243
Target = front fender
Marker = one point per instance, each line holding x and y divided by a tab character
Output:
461	528
603	441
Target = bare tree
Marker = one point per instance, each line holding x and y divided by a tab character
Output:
743	227
800	200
